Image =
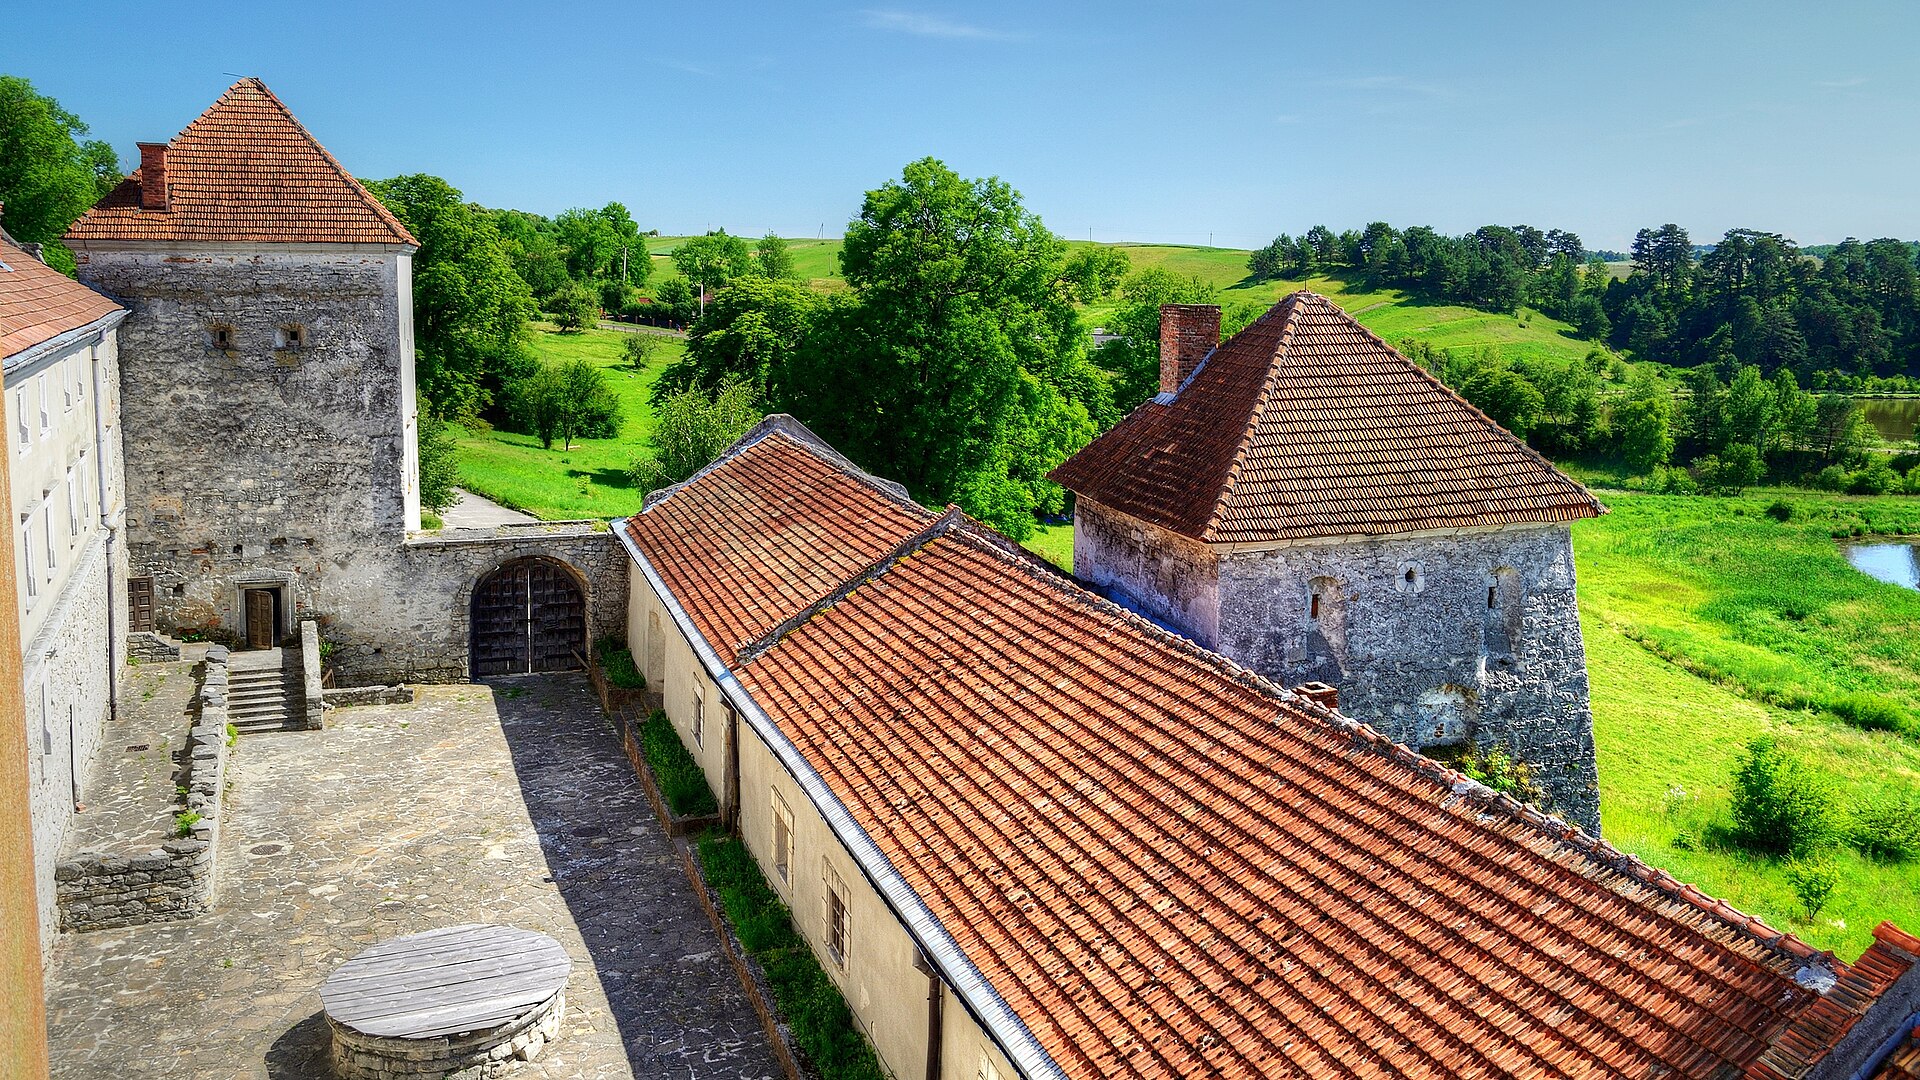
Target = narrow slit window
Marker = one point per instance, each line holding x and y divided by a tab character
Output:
20	417
699	721
222	337
1493	597
1313	607
290	336
782	839
46	412
33	563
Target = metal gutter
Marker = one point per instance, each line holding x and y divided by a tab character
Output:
20	363
973	989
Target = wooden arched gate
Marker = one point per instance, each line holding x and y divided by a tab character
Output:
527	616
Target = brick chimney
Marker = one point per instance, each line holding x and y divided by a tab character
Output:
153	176
1319	693
1188	332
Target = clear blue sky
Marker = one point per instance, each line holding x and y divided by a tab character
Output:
1146	122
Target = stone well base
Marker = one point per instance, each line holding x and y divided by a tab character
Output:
358	1056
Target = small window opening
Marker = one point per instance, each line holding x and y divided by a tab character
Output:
1313	607
836	925
222	337
290	336
699	721
1410	575
1493	597
782	840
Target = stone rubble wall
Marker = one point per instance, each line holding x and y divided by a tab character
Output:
98	890
150	648
493	1052
340	697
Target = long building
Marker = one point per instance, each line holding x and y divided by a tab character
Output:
1032	834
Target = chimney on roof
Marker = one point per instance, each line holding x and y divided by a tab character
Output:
1319	693
1188	332
153	176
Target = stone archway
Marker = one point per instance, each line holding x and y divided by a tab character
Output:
528	615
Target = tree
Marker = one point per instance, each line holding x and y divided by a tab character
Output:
772	259
751	329
49	175
603	245
690	428
675	300
1506	396
1644	423
1782	805
439	464
567	400
470	306
574	308
639	349
713	260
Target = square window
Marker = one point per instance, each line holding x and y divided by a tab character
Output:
782	839
290	336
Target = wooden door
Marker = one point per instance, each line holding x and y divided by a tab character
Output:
528	616
500	622
556	618
260	628
140	603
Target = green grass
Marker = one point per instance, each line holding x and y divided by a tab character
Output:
808	1000
617	666
682	783
590	480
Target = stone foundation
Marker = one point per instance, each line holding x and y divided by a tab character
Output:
493	1052
98	891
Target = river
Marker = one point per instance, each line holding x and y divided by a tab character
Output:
1896	563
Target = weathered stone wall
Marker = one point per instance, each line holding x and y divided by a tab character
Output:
151	648
100	890
1436	641
259	463
1166	577
70	663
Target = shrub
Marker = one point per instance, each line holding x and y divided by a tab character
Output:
184	821
1781	804
1812	880
616	664
638	349
1780	510
1670	481
1887	827
682	784
1876	479
1499	770
1874	712
1831	478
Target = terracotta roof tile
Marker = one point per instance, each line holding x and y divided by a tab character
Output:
39	303
246	171
1170	868
1305	424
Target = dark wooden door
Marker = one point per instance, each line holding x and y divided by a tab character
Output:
140	603
528	616
260	628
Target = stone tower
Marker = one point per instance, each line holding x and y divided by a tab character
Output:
1307	501
266	372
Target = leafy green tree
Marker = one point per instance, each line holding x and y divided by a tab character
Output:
713	260
1132	357
752	328
1733	470
1506	396
470	306
675	300
1643	423
574	308
1840	430
603	245
439	464
49	173
690	428
1782	805
567	400
638	350
772	259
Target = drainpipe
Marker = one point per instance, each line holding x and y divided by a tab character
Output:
936	996
732	783
108	523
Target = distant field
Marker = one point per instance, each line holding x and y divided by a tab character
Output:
589	481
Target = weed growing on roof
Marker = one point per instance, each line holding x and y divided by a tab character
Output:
1781	804
1498	769
616	663
814	1010
682	784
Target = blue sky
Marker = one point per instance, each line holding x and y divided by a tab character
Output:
1172	122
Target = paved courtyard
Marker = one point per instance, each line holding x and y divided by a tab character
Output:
505	804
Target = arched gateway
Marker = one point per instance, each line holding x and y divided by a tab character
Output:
528	615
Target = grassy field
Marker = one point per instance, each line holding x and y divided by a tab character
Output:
1708	622
590	480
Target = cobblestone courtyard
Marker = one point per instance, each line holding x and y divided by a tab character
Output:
506	804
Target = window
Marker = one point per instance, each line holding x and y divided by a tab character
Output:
1412	579
30	544
987	1069
46	526
1313	607
1493	597
73	509
290	336
699	720
67	368
20	417
46	413
836	919
221	336
782	838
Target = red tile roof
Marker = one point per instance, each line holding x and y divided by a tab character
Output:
246	171
1904	1062
1305	424
1167	867
39	303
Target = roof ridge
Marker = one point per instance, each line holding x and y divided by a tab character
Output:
790	428
941	526
1459	785
1291	302
372	201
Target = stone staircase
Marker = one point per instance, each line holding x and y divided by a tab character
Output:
266	691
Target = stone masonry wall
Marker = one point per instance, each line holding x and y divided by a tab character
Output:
1166	577
69	666
100	890
256	463
1409	634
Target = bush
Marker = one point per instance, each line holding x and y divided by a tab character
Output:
638	349
573	307
1672	481
1874	712
1780	510
1876	479
1813	880
1886	827
682	783
1831	478
1499	770
617	665
439	464
1781	804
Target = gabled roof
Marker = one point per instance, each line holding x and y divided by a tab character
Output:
246	172
39	303
1305	424
1166	867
